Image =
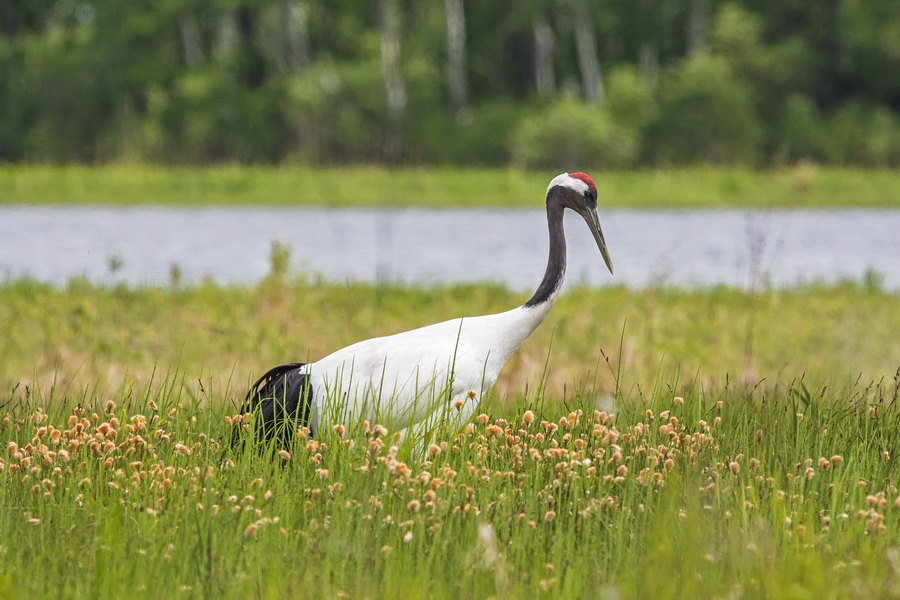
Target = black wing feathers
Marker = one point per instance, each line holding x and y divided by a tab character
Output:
280	403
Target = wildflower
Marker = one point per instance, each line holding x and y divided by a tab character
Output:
547	584
284	454
493	431
734	467
339	430
413	505
835	460
679	400
550	516
408	537
528	417
322	473
434	450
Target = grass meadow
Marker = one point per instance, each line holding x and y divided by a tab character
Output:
661	443
801	186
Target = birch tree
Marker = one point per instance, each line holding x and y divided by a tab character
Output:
586	47
544	43
456	53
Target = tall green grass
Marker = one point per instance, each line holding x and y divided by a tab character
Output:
684	444
689	188
741	492
87	335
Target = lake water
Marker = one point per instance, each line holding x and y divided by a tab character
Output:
739	248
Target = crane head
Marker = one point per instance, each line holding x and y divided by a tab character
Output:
578	192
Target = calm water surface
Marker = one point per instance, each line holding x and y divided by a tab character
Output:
232	245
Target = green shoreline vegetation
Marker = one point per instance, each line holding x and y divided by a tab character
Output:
801	186
652	475
103	334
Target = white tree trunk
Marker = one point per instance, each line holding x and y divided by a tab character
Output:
649	63
395	86
456	53
227	38
191	43
698	22
544	73
586	46
295	16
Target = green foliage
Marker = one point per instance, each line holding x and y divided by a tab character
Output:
679	490
273	81
864	135
569	132
803	185
95	333
707	115
802	134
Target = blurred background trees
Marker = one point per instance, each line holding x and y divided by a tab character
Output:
538	83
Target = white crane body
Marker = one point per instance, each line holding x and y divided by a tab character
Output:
438	372
430	375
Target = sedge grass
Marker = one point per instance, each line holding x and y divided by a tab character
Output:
98	336
737	492
121	185
732	445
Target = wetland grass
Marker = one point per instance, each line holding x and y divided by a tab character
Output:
673	444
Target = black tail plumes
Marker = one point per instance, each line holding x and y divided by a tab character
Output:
280	403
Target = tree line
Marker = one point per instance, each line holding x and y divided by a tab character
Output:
535	83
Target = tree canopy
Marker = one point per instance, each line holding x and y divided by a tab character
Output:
597	83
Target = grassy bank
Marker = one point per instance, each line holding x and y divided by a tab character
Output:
743	492
89	335
803	186
733	445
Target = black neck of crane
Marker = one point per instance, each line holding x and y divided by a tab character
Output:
556	262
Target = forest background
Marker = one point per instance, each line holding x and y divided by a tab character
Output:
546	83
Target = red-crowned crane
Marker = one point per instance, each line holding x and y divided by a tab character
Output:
428	376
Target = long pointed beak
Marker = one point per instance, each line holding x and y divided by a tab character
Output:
593	221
